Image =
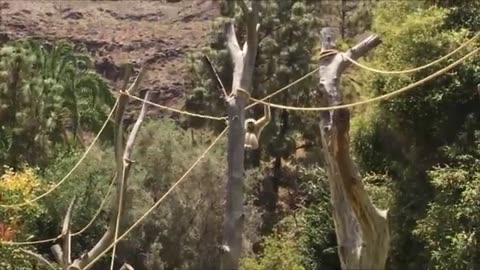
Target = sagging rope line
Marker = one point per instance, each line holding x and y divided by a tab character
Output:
273	105
95	216
71	171
175	110
412	69
149	211
329	52
26	243
385	96
99	210
127	152
134	85
326	53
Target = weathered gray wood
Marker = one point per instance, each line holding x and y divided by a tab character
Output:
244	64
123	167
362	230
67	237
57	253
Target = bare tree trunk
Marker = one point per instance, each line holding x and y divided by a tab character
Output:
62	254
123	169
244	64
362	229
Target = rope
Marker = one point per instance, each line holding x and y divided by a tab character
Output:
385	96
119	214
175	110
149	211
99	210
124	173
8	243
329	52
256	101
95	216
71	171
413	69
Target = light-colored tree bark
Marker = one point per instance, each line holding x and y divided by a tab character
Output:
244	63
124	163
123	169
362	230
63	253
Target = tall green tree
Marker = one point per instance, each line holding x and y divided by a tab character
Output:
351	17
289	33
450	228
47	96
402	137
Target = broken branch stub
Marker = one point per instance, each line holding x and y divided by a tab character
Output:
123	168
244	64
362	230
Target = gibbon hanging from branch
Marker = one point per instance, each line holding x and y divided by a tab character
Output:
253	129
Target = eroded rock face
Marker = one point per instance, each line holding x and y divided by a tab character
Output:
74	15
157	33
108	69
4	5
4	38
150	17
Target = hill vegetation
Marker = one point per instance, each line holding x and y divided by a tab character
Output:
61	74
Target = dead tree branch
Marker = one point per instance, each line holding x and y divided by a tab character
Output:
67	237
123	168
362	230
244	65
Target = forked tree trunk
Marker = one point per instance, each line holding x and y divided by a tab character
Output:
361	229
123	160
244	64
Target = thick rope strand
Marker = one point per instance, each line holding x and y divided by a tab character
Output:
412	69
375	99
71	171
149	211
176	110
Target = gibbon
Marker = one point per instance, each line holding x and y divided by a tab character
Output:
253	129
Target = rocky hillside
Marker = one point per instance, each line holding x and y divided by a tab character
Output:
160	33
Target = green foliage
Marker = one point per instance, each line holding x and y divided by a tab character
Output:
18	187
318	240
350	16
288	36
402	137
450	227
11	258
285	54
184	232
18	224
281	252
317	234
48	96
464	15
89	183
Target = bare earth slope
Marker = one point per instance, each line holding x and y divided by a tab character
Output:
117	32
